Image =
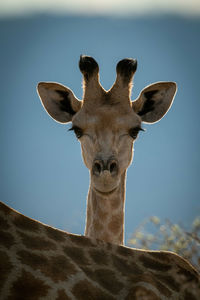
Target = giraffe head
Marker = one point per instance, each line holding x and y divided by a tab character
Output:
107	122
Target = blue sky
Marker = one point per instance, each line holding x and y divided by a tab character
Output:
42	173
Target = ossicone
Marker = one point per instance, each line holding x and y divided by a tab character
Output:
92	89
88	66
126	68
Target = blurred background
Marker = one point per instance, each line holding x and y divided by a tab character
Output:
41	171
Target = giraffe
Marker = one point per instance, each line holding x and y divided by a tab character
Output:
107	124
41	262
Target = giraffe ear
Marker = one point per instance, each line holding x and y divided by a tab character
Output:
59	101
154	101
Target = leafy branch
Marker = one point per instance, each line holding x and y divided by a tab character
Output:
152	234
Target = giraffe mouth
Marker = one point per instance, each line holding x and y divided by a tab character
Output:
105	193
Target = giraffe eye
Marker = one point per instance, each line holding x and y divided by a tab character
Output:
133	132
78	131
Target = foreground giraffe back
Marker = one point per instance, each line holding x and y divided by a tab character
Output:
40	262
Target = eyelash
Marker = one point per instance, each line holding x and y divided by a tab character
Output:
133	132
78	131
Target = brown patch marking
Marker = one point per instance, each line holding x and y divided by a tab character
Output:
103	245
153	264
55	234
4	224
35	261
141	293
150	278
115	203
189	296
36	242
6	239
189	275
57	267
105	238
162	288
124	267
25	223
102	214
81	240
109	246
116	223
99	256
106	278
163	256
76	254
84	290
62	295
97	225
28	287
170	281
5	268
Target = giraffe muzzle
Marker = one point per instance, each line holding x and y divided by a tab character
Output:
100	165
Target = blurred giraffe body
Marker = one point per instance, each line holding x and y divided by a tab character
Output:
41	262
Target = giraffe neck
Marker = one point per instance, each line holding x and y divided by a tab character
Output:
105	214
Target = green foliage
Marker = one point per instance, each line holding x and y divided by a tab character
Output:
170	237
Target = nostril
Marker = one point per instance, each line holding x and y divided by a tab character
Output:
113	167
97	168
